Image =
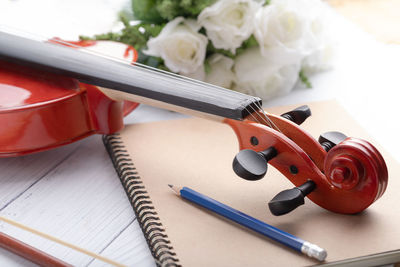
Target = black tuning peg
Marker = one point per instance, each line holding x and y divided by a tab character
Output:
331	139
252	165
289	199
298	115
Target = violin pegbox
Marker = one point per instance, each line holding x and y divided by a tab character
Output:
341	174
251	165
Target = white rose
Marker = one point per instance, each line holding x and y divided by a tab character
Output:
281	26
180	45
293	31
319	40
256	75
221	73
229	22
198	74
320	59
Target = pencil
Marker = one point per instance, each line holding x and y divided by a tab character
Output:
30	253
258	226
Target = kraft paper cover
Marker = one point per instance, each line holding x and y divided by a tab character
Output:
198	154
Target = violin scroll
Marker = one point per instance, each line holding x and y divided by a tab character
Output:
356	165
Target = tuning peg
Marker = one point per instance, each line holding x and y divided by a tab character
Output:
289	199
331	139
252	165
298	115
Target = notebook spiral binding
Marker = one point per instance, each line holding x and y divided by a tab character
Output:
146	215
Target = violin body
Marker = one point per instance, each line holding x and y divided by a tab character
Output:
41	110
51	95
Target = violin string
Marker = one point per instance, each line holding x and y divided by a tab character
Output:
132	64
251	114
149	68
266	119
136	64
266	122
124	61
60	242
260	118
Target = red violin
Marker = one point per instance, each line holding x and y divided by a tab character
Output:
52	94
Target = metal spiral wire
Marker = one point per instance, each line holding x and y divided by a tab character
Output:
146	215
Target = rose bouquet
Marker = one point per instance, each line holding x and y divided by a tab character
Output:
262	48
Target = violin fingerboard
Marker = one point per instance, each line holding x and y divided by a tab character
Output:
133	78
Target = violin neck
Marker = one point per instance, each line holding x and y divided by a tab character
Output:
134	82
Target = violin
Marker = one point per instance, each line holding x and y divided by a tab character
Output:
69	94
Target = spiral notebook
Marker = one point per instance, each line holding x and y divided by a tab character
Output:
198	153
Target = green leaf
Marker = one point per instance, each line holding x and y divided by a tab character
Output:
155	11
136	35
153	61
146	11
304	79
192	8
267	2
212	50
251	42
169	9
207	67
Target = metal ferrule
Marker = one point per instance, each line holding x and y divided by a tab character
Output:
314	251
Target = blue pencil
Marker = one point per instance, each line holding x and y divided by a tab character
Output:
270	231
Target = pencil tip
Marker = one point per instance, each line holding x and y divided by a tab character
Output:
174	188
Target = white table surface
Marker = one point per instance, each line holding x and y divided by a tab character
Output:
74	193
